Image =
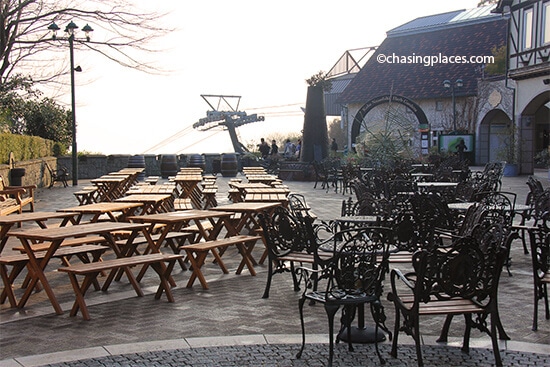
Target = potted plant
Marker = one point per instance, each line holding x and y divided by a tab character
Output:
508	151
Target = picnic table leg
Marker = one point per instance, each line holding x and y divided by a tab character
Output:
154	248
164	274
8	280
80	291
219	261
38	275
246	252
196	264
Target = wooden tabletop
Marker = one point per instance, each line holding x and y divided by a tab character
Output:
246	206
178	216
34	216
104	207
142	198
60	233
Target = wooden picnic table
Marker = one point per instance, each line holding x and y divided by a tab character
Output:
177	221
240	187
248	214
40	218
56	236
266	179
110	187
187	187
152	203
196	251
247	221
166	188
131	174
267	195
106	208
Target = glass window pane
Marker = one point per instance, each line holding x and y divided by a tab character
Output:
527	28
546	23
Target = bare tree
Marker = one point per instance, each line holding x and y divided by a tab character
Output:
26	45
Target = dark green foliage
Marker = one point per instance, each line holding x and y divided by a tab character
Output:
48	120
27	147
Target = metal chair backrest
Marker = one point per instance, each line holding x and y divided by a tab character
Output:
283	232
359	263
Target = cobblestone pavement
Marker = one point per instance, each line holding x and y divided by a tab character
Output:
230	324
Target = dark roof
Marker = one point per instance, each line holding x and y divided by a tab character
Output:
428	21
417	81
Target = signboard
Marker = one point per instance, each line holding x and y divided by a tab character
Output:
448	143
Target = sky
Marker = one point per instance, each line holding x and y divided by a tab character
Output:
262	51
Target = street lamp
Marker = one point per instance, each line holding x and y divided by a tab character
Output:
448	85
70	29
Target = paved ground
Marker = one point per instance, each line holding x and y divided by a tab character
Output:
230	324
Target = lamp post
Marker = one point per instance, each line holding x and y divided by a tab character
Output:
70	29
448	85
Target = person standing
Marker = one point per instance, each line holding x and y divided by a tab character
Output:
334	147
298	148
263	148
274	149
290	148
460	149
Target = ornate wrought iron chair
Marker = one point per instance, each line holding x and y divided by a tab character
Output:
352	277
59	175
288	242
298	206
462	279
540	255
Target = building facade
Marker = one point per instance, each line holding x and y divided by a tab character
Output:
528	54
409	70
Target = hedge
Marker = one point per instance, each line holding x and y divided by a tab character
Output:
25	147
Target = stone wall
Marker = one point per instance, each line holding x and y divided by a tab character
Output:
93	166
36	172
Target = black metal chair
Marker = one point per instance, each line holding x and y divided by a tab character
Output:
350	279
60	175
540	255
288	242
461	279
298	206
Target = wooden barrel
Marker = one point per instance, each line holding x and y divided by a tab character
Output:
197	160
168	165
229	165
137	161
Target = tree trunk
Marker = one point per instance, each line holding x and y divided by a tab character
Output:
315	139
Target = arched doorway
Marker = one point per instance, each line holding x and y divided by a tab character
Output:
534	124
490	136
411	114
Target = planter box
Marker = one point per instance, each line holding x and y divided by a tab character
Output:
510	170
295	171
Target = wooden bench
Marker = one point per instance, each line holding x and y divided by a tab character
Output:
20	261
209	197
23	195
196	253
152	180
174	240
88	195
183	204
8	205
91	270
234	195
